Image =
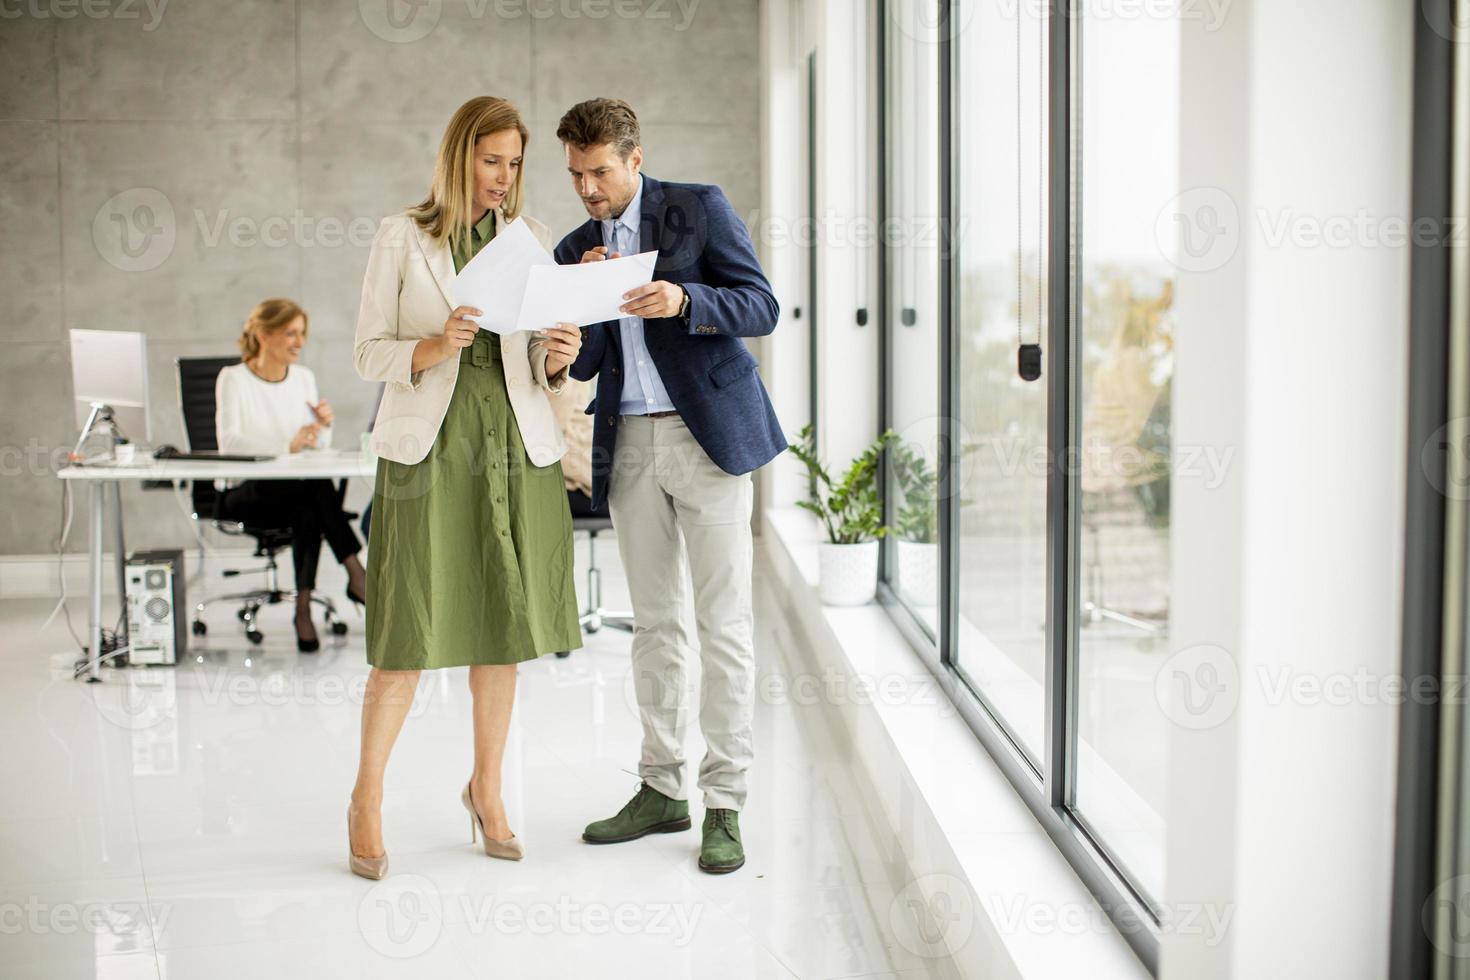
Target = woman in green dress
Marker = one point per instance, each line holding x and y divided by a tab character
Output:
470	559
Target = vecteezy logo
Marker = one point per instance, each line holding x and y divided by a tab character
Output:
1198	687
137	701
933	915
401	916
135	231
1446	916
1440	17
667	697
1198	230
925	23
400	21
1445	459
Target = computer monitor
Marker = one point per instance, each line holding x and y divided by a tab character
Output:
110	367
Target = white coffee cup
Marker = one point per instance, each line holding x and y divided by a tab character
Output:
125	453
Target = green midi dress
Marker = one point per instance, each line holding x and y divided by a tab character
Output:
471	558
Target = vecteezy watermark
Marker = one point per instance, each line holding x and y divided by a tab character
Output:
933	23
94	9
1445	459
1198	230
35	916
1445	916
406	21
933	915
139	700
403	916
678	921
277	231
35	458
1211	12
1359	228
137	229
839	688
1440	16
1011	456
134	230
1284	684
671	697
835	229
1012	914
1198	687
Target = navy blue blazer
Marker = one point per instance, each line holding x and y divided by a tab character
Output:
705	367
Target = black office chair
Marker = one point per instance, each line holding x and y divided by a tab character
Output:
584	518
196	377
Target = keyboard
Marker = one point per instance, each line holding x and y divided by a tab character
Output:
202	457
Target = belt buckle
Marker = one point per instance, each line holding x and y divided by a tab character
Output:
480	351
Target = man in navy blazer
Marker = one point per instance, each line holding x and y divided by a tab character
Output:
705	253
681	421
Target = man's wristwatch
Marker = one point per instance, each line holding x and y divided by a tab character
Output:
684	306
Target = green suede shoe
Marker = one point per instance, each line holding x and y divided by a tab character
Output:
722	850
648	812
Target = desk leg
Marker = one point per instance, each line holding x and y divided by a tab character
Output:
94	614
115	488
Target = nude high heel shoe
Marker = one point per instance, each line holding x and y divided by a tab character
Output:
374	868
509	849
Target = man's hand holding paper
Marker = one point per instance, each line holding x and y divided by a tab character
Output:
518	286
589	292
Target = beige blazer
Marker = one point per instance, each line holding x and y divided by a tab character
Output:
405	299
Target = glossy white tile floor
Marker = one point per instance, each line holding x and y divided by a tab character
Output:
190	823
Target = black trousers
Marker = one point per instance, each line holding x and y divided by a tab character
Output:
310	508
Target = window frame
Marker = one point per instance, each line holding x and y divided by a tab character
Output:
1051	793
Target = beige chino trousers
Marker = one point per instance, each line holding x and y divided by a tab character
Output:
670	502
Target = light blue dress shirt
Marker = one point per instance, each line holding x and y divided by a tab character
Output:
643	389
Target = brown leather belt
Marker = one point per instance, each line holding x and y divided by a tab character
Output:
659	415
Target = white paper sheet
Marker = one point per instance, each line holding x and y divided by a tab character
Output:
494	281
586	293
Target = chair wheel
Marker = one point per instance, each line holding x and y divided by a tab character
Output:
254	636
563	654
339	629
199	628
240	615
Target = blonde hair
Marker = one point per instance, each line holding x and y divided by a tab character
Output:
269	316
446	212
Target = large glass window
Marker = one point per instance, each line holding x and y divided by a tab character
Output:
1000	287
911	233
1127	157
1031	544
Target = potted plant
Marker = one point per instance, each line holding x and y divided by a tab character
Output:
851	511
916	524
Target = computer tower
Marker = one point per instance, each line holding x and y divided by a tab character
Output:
157	611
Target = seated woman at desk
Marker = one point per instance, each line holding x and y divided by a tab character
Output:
268	403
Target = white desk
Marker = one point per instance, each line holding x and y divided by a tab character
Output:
107	478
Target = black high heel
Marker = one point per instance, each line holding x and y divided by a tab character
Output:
304	645
353	597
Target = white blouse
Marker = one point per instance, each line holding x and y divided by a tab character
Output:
252	415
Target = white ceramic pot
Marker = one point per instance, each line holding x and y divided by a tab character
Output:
918	571
847	574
